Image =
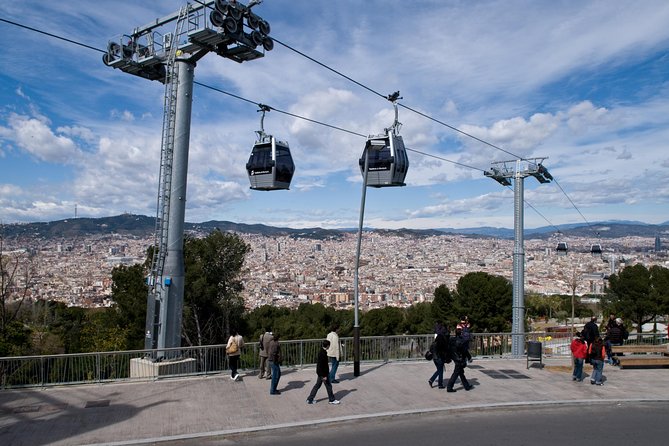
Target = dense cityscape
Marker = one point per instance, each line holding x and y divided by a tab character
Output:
395	270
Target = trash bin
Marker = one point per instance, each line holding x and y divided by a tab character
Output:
534	353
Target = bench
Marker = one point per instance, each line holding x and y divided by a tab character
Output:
642	355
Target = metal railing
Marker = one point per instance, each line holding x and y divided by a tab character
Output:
136	365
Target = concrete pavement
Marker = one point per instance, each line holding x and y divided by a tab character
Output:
173	409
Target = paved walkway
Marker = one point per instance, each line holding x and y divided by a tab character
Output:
142	413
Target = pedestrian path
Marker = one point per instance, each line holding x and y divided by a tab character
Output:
173	409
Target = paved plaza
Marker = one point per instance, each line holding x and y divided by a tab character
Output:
189	408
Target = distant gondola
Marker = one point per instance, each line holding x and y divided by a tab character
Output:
388	161
270	166
596	250
562	248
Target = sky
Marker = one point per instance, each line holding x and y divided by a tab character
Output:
584	85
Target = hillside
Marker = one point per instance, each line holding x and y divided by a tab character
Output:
143	226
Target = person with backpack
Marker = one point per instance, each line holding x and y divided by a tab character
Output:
322	372
458	353
579	351
597	353
440	356
233	349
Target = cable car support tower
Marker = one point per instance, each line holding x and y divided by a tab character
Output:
503	172
231	30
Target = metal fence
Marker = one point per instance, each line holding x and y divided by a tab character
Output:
101	367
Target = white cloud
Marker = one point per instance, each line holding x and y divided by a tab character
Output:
33	135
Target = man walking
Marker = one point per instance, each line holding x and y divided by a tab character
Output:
459	355
333	352
322	376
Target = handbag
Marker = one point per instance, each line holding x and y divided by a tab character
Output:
429	355
233	348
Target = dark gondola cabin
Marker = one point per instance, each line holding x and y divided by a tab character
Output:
596	250
270	166
388	161
562	248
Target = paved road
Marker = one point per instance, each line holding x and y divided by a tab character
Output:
215	407
612	424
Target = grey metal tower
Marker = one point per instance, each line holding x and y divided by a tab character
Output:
503	172
170	57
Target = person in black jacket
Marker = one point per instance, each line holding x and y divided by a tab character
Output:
440	356
458	349
322	372
615	335
591	330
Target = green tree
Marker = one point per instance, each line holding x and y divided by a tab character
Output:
659	279
419	319
637	293
486	299
212	296
443	307
129	293
102	334
263	318
386	321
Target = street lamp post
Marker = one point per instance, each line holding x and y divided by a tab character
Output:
356	292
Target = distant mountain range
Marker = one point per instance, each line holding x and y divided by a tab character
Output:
142	226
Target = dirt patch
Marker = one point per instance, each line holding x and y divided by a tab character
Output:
559	368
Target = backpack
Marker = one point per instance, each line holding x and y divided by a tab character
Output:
233	347
466	334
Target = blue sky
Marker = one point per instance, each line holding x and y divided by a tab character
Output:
585	84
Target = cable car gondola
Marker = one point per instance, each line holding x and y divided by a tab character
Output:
386	157
596	250
270	166
562	248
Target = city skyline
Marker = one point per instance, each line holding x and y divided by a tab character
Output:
583	85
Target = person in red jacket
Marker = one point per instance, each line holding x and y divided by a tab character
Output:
579	351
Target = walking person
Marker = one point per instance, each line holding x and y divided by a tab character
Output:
458	353
590	333
465	326
440	356
597	353
333	352
322	373
274	359
579	351
591	330
234	349
263	345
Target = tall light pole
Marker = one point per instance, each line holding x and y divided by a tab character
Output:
503	172
390	165
170	57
